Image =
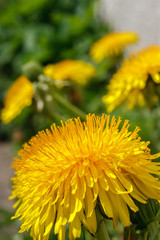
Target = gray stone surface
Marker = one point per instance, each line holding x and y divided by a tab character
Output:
141	16
6	172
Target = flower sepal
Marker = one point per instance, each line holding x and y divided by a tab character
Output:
151	232
32	70
146	222
102	232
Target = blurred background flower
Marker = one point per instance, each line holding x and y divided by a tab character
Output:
111	44
74	70
137	81
18	96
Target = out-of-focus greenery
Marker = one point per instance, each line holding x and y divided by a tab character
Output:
43	31
147	120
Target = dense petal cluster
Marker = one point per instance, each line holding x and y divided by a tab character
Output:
136	81
18	96
74	70
64	171
111	44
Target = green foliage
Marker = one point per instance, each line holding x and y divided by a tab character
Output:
44	31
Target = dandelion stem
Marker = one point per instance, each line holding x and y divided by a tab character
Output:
70	106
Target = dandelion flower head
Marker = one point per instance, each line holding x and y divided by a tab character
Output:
136	81
74	70
111	44
63	172
18	96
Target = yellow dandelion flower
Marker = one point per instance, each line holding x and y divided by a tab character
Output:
64	171
137	80
19	96
75	70
111	44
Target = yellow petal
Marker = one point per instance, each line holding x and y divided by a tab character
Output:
89	205
76	227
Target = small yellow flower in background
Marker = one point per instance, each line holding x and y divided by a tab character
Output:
63	171
137	80
18	97
111	44
75	70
